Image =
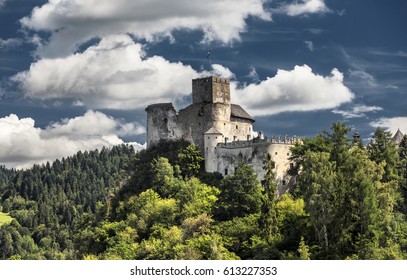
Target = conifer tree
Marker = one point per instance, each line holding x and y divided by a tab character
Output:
268	218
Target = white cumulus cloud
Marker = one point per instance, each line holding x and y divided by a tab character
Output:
113	74
297	90
22	144
391	124
74	22
304	7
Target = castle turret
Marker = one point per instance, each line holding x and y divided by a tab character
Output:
211	139
398	137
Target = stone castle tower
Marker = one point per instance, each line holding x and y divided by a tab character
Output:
222	131
210	108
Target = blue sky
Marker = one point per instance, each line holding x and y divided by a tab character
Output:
77	75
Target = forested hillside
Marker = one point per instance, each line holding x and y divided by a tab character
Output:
47	202
349	203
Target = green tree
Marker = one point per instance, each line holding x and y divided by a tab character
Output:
268	220
241	194
318	182
190	161
196	198
382	149
163	181
403	172
303	250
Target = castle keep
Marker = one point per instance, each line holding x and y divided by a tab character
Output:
222	131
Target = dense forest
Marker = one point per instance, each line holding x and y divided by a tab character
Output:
349	202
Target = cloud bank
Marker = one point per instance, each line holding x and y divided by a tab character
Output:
22	144
113	74
116	75
74	22
297	90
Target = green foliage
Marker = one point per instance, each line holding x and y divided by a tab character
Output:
351	195
142	173
241	194
196	198
5	219
190	161
48	201
349	203
382	149
268	218
303	250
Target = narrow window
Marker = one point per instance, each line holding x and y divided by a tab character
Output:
226	172
284	182
237	127
275	153
291	165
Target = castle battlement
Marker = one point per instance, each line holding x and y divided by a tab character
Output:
212	79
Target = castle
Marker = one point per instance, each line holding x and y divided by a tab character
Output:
222	131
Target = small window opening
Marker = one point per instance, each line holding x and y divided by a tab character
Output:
275	153
226	172
284	182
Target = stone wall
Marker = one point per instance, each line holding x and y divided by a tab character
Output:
231	154
162	123
211	90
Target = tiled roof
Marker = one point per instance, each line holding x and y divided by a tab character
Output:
239	112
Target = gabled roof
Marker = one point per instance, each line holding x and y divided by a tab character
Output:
212	130
239	112
398	137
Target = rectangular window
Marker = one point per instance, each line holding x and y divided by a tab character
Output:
226	172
